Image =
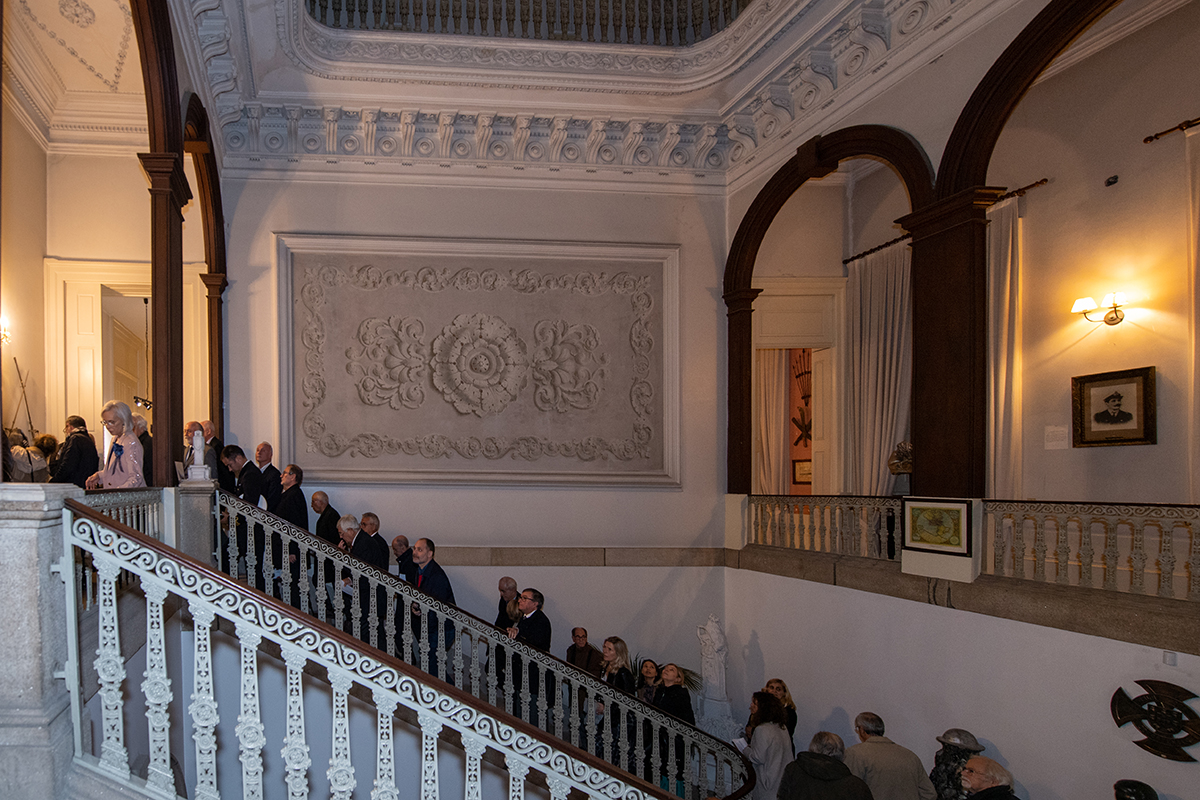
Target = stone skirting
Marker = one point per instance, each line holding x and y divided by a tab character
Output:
1139	619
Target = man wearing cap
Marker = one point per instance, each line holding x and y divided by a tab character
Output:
984	779
893	772
958	746
1112	413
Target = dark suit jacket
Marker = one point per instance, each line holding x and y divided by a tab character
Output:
534	630
272	489
249	483
434	582
147	457
77	460
293	507
327	525
223	474
590	660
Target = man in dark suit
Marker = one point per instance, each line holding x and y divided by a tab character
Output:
272	488
209	458
1112	413
77	459
292	508
533	629
327	518
248	486
430	578
224	475
359	545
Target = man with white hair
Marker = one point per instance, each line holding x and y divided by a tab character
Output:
820	774
272	487
984	779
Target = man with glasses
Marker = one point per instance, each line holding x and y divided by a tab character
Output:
292	508
984	779
77	459
533	629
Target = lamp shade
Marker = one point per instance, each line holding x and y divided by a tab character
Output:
1083	304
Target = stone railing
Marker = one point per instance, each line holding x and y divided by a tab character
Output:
199	624
140	509
471	654
649	22
1139	549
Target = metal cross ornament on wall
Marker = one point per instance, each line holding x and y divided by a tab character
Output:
803	428
1162	715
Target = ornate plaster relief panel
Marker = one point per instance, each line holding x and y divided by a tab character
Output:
434	360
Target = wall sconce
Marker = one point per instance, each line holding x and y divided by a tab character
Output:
1112	305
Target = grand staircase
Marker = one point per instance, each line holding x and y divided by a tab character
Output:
281	685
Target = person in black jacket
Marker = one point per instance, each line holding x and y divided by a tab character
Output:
533	629
77	459
292	508
615	671
430	578
673	698
820	774
248	486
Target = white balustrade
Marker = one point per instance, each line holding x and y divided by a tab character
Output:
269	635
1142	549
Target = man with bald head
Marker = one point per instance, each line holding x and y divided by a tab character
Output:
272	488
506	609
224	476
984	779
327	518
405	569
208	458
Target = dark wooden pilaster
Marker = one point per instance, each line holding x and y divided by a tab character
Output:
740	304
216	283
169	193
950	366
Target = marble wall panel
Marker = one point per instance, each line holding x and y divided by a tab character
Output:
480	361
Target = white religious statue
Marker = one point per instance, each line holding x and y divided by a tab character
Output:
716	715
713	653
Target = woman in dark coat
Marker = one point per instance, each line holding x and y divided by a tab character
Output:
673	698
614	670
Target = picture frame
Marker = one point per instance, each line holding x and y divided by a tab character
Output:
944	527
1114	408
802	472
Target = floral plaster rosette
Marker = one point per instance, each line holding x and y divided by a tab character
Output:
479	364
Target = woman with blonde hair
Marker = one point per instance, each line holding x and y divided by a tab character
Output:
777	687
123	467
615	671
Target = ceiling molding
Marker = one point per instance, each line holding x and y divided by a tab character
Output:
20	108
1122	21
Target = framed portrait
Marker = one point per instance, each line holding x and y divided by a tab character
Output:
801	472
937	526
1111	408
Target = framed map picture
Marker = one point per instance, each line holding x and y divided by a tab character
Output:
933	526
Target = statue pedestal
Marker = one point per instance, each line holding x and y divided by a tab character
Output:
716	719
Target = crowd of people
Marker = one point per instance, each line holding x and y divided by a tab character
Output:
77	459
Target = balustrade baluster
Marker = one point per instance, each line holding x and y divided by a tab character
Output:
1137	558
1085	552
559	788
249	729
361	8
430	728
1039	551
156	688
1112	554
385	750
474	748
512	665
517	770
110	672
793	510
1062	554
341	770
295	751
1193	564
588	705
412	15
203	708
1166	560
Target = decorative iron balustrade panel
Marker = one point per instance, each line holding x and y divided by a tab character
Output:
140	509
672	23
473	655
259	621
841	524
1141	549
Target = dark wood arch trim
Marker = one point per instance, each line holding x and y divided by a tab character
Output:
968	152
816	158
169	192
197	140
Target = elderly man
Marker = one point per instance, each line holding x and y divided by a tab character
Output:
404	569
292	508
584	655
208	458
820	774
533	629
370	526
249	488
327	518
359	545
984	779
892	772
224	475
506	609
272	489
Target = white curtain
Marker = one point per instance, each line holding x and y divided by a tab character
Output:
1004	350
1192	144
773	470
879	300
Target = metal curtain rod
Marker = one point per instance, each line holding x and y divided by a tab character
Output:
865	253
1021	192
1183	126
1014	193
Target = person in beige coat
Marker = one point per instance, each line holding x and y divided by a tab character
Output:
893	772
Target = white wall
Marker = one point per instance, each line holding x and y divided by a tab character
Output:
805	238
1038	698
1082	238
24	242
691	516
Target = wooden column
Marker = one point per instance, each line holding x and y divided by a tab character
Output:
950	367
216	283
169	193
740	304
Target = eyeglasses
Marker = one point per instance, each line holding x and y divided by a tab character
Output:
108	422
524	597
